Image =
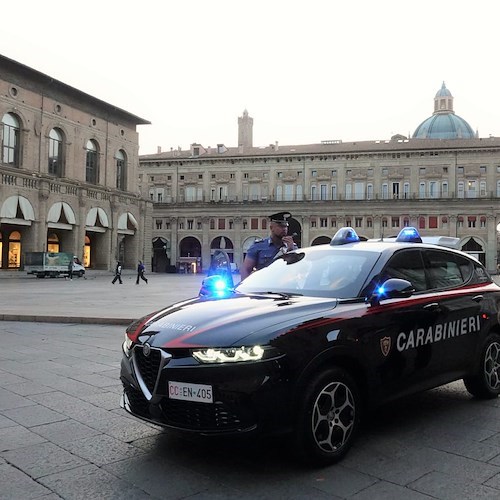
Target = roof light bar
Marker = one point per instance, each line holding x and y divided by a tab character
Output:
409	235
344	235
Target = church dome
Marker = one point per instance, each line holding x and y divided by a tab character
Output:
444	123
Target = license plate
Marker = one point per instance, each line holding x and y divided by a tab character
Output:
190	392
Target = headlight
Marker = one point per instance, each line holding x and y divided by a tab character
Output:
127	345
229	355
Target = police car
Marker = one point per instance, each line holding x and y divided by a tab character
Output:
308	344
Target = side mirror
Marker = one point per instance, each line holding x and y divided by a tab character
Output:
393	288
215	286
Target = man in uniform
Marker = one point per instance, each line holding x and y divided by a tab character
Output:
264	251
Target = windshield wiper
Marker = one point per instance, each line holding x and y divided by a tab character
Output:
280	294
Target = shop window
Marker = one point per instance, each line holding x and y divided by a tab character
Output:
14	250
52	243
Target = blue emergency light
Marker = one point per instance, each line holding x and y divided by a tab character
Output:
215	286
344	235
409	235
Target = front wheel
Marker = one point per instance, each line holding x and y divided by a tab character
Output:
328	417
485	382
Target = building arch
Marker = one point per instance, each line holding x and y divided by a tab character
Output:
17	210
474	246
190	255
321	240
222	243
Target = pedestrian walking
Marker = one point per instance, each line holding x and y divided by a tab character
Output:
118	273
141	269
70	269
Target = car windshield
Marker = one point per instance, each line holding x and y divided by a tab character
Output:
320	271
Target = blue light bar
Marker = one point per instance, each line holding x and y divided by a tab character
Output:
409	235
344	235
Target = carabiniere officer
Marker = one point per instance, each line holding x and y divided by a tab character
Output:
264	251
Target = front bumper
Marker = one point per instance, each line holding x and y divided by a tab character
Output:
246	396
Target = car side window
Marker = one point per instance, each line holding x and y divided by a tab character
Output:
408	265
446	270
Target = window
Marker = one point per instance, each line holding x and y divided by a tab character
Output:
91	162
471	189
385	191
199	225
120	170
212	223
190	223
288	192
159	196
395	190
222	224
433	222
254	223
313	223
421	222
358	222
433	189
348	191
159	223
482	222
369	192
313	193
471	221
369	222
444	189
323	191
314	173
190	193
55	152
334	191
406	190
482	188
323	222
421	190
10	142
394	222
460	190
407	265
384	222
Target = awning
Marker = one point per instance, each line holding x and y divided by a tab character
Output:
17	210
61	216
97	220
127	224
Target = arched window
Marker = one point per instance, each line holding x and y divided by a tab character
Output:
121	170
10	141
15	249
55	152
92	162
52	243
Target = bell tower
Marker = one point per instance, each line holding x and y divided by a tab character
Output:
245	130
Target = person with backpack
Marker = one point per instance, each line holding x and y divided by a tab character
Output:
118	273
141	269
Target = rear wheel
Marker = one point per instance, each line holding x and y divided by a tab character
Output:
328	417
485	383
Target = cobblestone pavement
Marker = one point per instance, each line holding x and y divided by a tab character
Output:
63	435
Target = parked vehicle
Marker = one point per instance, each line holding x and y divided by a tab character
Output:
52	264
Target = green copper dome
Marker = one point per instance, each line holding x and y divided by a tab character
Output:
444	123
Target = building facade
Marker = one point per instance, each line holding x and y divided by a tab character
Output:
445	181
69	168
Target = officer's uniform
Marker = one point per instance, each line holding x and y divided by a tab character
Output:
264	251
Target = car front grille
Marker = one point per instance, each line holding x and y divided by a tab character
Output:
148	366
138	403
202	416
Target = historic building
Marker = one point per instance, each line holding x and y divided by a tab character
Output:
68	170
444	180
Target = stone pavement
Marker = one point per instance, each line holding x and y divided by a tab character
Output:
91	300
63	434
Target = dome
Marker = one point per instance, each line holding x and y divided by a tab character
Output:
444	126
444	123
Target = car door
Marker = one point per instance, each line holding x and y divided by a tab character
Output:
398	364
457	307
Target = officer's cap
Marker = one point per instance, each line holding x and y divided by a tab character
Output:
281	218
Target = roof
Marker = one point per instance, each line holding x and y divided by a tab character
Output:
444	126
339	148
11	69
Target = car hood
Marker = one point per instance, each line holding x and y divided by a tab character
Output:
255	319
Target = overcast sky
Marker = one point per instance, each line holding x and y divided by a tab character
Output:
306	71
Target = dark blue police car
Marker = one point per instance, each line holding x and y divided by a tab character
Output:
307	344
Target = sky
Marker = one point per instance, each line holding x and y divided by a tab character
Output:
306	71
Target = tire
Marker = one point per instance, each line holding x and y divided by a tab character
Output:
328	418
485	382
